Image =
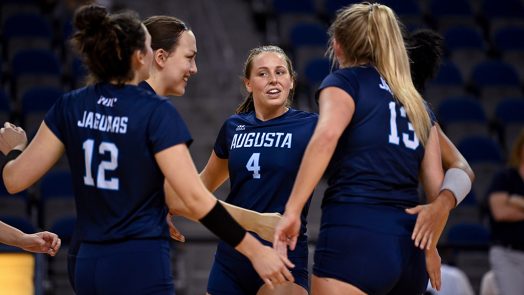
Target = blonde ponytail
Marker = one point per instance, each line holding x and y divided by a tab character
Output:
370	33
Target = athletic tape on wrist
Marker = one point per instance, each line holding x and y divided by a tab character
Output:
219	222
457	181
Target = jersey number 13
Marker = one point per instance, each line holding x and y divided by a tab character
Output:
393	134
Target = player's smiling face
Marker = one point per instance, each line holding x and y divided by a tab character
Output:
269	81
181	64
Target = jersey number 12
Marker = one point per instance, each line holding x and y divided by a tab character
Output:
111	165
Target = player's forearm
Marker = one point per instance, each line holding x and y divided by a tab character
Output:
241	215
315	161
10	235
451	157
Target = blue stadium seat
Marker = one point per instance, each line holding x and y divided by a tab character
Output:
495	73
293	6
451	12
470	243
485	158
308	41
26	30
468	235
332	6
56	197
316	70
509	42
510	115
468	211
509	38
498	14
287	13
465	46
448	82
480	149
462	117
13	7
308	34
17	205
495	80
35	67
405	8
457	109
35	103
448	74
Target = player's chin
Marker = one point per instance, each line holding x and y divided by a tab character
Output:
179	91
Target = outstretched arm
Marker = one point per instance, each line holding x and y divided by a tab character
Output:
213	176
336	110
180	172
41	242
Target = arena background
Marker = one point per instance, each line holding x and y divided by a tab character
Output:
477	95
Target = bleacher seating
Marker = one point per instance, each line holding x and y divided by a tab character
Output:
484	63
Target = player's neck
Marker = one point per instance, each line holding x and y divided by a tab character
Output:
265	115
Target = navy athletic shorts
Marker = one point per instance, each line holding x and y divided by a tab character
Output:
370	247
128	267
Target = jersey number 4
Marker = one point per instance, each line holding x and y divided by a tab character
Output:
111	165
253	166
393	134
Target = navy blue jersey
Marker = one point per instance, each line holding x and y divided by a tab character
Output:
146	86
264	157
111	135
378	156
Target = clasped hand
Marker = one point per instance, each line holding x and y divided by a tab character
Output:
12	137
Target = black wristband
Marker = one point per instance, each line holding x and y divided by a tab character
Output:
13	154
219	222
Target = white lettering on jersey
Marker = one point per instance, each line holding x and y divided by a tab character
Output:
257	139
384	85
96	121
107	101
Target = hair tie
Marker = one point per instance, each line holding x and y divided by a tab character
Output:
372	6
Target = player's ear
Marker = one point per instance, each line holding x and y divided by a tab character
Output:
339	53
247	84
138	56
160	56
